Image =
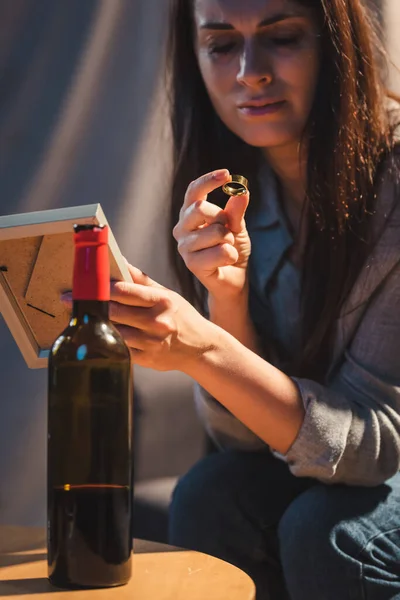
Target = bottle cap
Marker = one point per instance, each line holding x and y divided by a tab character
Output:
90	234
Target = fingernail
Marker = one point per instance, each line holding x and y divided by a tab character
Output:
221	175
66	297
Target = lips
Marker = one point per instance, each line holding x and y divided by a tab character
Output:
260	102
261	107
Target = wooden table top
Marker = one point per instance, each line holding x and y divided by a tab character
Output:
160	572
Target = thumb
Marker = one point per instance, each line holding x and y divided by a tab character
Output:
235	210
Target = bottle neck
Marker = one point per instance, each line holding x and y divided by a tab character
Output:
90	309
91	281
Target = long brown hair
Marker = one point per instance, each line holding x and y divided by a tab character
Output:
347	136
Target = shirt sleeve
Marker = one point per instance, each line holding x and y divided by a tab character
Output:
351	430
224	428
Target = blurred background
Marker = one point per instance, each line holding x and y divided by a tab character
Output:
83	119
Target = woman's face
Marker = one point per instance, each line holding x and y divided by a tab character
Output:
259	60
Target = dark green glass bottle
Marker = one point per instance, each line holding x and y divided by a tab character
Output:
90	433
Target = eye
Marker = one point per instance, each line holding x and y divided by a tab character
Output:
292	40
222	49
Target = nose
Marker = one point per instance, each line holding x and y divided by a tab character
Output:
255	68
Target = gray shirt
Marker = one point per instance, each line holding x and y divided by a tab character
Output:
351	430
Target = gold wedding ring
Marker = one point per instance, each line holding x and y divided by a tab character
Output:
237	187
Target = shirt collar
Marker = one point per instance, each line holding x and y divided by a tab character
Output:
267	211
268	232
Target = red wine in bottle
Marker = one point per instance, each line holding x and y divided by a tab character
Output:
89	460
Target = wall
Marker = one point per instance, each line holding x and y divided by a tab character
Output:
80	123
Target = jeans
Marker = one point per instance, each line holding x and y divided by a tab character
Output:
297	538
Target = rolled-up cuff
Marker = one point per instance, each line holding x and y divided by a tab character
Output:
321	440
350	433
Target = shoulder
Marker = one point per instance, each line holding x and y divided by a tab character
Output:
383	258
387	202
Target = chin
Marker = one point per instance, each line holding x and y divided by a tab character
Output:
262	134
268	139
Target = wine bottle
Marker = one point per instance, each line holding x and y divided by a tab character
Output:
89	480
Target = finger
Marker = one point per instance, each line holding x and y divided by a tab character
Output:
208	237
66	299
199	189
138	357
199	214
235	209
207	261
133	338
139	277
139	341
134	294
132	316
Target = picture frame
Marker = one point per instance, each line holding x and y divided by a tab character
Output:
36	267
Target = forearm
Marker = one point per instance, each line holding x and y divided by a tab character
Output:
259	395
234	318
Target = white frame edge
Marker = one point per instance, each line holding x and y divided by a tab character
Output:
38	224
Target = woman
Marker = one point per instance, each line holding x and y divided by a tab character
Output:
296	361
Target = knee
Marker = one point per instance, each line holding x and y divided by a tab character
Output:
206	507
200	488
201	499
206	489
314	531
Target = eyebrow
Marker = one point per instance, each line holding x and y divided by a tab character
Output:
221	26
